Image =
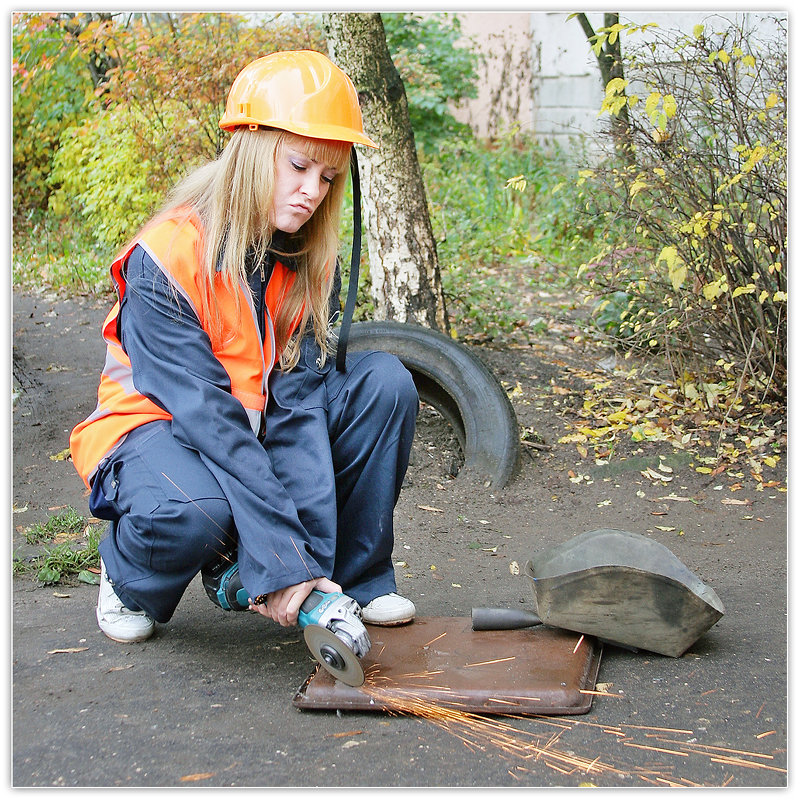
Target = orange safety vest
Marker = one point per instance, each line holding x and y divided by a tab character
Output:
175	246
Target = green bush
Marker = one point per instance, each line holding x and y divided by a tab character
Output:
100	175
437	71
49	93
703	200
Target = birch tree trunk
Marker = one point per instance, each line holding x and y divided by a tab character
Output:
404	265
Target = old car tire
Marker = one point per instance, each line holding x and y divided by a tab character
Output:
463	390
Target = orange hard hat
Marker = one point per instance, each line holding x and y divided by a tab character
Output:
300	91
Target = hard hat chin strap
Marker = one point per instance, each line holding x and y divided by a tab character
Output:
355	262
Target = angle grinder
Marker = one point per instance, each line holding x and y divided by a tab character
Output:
331	622
335	634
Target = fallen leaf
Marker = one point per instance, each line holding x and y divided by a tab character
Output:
513	568
343	733
432	508
730	501
62	456
351	743
88	576
60	594
198	776
68	650
664	528
119	669
653	475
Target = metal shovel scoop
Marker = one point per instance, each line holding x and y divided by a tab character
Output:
623	588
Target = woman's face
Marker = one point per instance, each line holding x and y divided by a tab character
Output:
300	186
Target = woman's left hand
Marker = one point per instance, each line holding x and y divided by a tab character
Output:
283	605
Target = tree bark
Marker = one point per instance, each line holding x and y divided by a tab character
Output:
99	61
404	265
609	60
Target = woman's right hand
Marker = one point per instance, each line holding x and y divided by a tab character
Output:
283	605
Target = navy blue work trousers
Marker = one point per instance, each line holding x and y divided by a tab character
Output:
339	442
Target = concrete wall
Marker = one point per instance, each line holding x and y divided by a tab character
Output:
505	83
540	74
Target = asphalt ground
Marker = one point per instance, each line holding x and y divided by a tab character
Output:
207	702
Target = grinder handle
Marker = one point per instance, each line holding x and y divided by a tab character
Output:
315	597
502	619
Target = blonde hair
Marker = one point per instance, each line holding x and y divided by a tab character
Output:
232	198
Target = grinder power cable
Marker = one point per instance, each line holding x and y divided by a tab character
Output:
331	622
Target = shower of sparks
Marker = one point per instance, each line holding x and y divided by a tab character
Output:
301	557
493	661
499	731
477	732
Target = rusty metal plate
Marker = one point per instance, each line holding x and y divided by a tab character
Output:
442	661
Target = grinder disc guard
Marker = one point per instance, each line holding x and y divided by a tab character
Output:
334	655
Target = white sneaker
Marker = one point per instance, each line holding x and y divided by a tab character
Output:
388	609
116	620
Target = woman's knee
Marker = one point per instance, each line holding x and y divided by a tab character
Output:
199	529
391	383
208	519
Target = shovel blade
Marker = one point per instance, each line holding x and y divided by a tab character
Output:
623	588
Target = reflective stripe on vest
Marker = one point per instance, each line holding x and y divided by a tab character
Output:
175	247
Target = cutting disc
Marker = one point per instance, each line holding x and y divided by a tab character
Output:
334	655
